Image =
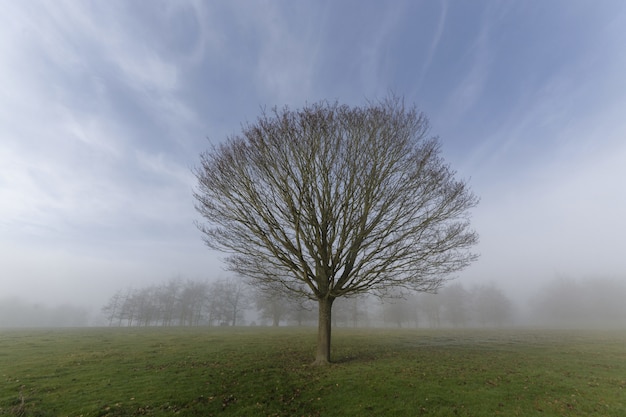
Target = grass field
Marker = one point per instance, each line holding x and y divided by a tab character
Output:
265	372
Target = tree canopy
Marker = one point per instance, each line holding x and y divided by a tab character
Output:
331	201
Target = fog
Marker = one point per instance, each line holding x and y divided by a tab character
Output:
15	312
560	303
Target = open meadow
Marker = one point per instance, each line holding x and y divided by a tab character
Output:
266	372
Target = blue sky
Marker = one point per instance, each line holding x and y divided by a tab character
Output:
105	106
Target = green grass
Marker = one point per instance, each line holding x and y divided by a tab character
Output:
265	372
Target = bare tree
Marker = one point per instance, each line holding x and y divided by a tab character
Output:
128	310
358	311
430	306
112	308
192	301
301	311
330	201
274	305
455	301
490	305
569	302
230	300
169	300
399	310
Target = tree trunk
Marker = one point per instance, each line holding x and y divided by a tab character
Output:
322	356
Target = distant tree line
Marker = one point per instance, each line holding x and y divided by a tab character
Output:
275	307
559	303
456	306
566	302
452	306
179	303
225	302
194	303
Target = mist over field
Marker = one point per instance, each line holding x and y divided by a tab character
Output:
106	106
561	303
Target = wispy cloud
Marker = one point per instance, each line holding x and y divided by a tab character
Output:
432	48
475	63
375	59
67	152
287	58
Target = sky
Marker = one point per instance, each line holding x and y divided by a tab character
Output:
105	107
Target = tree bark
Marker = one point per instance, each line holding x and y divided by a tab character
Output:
322	356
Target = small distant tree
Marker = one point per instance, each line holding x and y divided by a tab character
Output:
302	311
398	311
490	306
272	304
357	311
169	301
230	299
455	300
192	301
111	310
128	310
430	307
569	302
560	302
332	201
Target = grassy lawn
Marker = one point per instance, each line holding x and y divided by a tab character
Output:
265	372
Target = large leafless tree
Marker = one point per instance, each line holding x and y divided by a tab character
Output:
331	201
